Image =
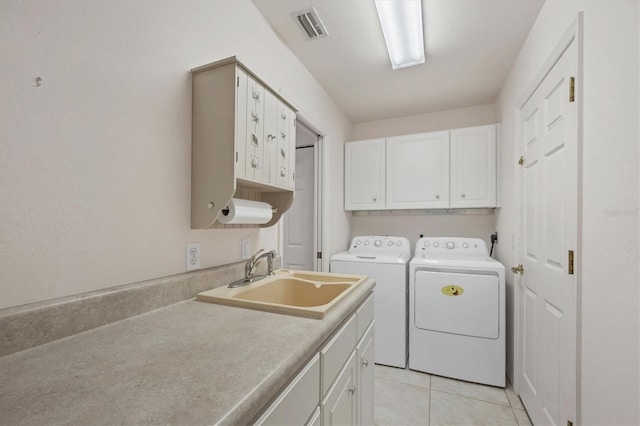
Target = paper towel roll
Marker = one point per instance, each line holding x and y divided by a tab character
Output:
240	211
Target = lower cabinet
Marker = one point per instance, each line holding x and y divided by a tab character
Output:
366	357
340	404
336	386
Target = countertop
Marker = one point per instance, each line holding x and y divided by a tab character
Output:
191	363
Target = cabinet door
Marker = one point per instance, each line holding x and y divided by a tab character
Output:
240	140
366	359
298	401
270	138
285	151
255	129
364	175
473	167
418	171
340	404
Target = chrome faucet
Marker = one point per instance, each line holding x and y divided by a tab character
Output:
253	261
249	276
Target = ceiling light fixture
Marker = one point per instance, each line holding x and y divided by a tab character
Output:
401	22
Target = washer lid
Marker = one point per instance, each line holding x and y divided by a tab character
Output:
457	303
350	257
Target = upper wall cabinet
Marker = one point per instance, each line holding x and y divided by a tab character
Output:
243	142
473	167
418	171
435	170
364	175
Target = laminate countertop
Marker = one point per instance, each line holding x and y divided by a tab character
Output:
191	363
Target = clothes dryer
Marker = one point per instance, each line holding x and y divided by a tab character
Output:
457	311
386	260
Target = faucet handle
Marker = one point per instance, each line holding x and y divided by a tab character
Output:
252	258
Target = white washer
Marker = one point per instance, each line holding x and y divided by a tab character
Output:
457	311
386	260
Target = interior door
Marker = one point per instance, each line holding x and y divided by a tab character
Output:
299	220
547	290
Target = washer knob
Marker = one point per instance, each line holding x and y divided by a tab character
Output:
465	245
378	243
426	243
366	243
399	243
358	242
436	244
390	243
451	245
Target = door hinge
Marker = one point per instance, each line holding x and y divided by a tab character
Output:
518	269
237	81
294	122
570	262
572	89
521	160
319	255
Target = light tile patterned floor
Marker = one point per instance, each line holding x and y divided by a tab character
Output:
405	397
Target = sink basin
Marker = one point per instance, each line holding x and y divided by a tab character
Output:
302	293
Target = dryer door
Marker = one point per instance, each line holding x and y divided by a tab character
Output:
457	303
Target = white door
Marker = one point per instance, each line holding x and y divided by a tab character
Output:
299	220
364	175
418	171
473	167
548	124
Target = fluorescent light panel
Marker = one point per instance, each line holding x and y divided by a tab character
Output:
401	22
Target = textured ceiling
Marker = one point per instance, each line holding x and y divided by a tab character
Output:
470	47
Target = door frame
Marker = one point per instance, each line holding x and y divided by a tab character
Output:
319	194
573	34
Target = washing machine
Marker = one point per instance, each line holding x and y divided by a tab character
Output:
457	311
386	260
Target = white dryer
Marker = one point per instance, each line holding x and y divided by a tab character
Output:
386	260
457	311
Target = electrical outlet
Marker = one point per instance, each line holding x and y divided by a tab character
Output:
245	248
193	256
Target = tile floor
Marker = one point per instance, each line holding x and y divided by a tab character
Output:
406	397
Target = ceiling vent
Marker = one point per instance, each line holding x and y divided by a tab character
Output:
310	23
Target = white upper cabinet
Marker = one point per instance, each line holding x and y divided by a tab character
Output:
473	167
241	146
437	170
418	171
364	180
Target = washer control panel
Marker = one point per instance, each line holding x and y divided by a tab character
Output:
380	245
451	246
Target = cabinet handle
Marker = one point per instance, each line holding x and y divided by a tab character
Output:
375	199
255	95
352	389
254	117
463	195
284	154
437	197
365	363
283	173
254	163
283	116
254	139
283	134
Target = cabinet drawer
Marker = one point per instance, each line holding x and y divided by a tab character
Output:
334	354
297	402
364	316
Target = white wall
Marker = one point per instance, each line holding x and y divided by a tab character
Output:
428	122
95	163
431	225
609	330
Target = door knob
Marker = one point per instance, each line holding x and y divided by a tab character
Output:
365	363
518	269
352	389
